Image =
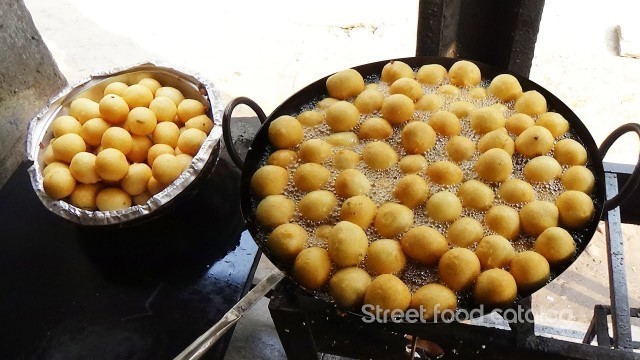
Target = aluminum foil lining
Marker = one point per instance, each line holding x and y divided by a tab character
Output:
191	84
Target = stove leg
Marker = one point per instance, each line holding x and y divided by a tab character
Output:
523	325
293	330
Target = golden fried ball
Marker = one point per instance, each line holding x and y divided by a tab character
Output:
505	87
429	102
200	122
275	210
117	138
495	288
369	101
83	109
84	196
387	292
412	191
531	103
494	165
59	183
326	103
542	169
431	74
157	150
286	241
413	164
311	176
348	244
185	160
322	232
172	93
503	220
495	251
465	232
345	84
351	182
424	244
359	210
464	73
137	95
345	159
460	148
385	256
514	191
445	123
343	139
49	157
556	245
444	173
534	141
372	86
188	109
393	219
433	299
375	128
530	270
282	158
136	179
83	168
190	141
116	88
517	123
496	139
395	70
379	155
52	166
312	267
570	152
142	198
141	121
64	125
342	116
461	109
67	146
575	208
478	93
285	132
111	164
537	216
113	109
269	180
406	86
397	108
554	122
166	133
317	205
166	168
112	199
578	178
152	84
164	108
418	137
458	268
314	150
310	118
486	119
154	186
476	195
443	206
348	286
92	131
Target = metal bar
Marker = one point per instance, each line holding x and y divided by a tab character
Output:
525	35
437	27
600	314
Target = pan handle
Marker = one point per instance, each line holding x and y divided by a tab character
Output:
226	125
632	184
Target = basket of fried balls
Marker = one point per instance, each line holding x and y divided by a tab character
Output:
421	188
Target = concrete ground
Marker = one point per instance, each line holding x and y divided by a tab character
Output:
268	50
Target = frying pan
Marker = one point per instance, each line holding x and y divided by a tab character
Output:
317	91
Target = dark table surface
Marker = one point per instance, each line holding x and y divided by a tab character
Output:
143	292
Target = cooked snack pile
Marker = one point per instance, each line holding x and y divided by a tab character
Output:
423	186
128	147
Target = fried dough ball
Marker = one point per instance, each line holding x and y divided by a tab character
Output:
188	109
157	150
151	84
465	232
496	139
351	182
413	164
190	141
64	125
461	109
286	241
554	122
137	95
317	205
141	121
116	88
424	244
570	152
200	122
345	159
495	251
418	137
393	219
83	109
359	210
443	206
444	173
515	191
575	208
83	168
431	74
348	286
49	157
412	191
448	90
310	118
379	155
117	138
534	141
342	116
385	256
531	103
395	70
478	93
407	86
464	73
269	180
505	87
275	210
345	84
67	146
323	231
166	168
285	132
164	108
112	199
445	123
530	270
486	119
348	244
556	245
92	131
537	216
185	160
387	292
167	133
84	196
460	148
397	108
282	158
142	198
59	183
476	195
52	166
458	268
154	186
344	139
369	101
517	123
578	178
429	102
494	165
312	267
326	103
542	169
495	288
434	299
314	150
503	220
136	180
375	128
